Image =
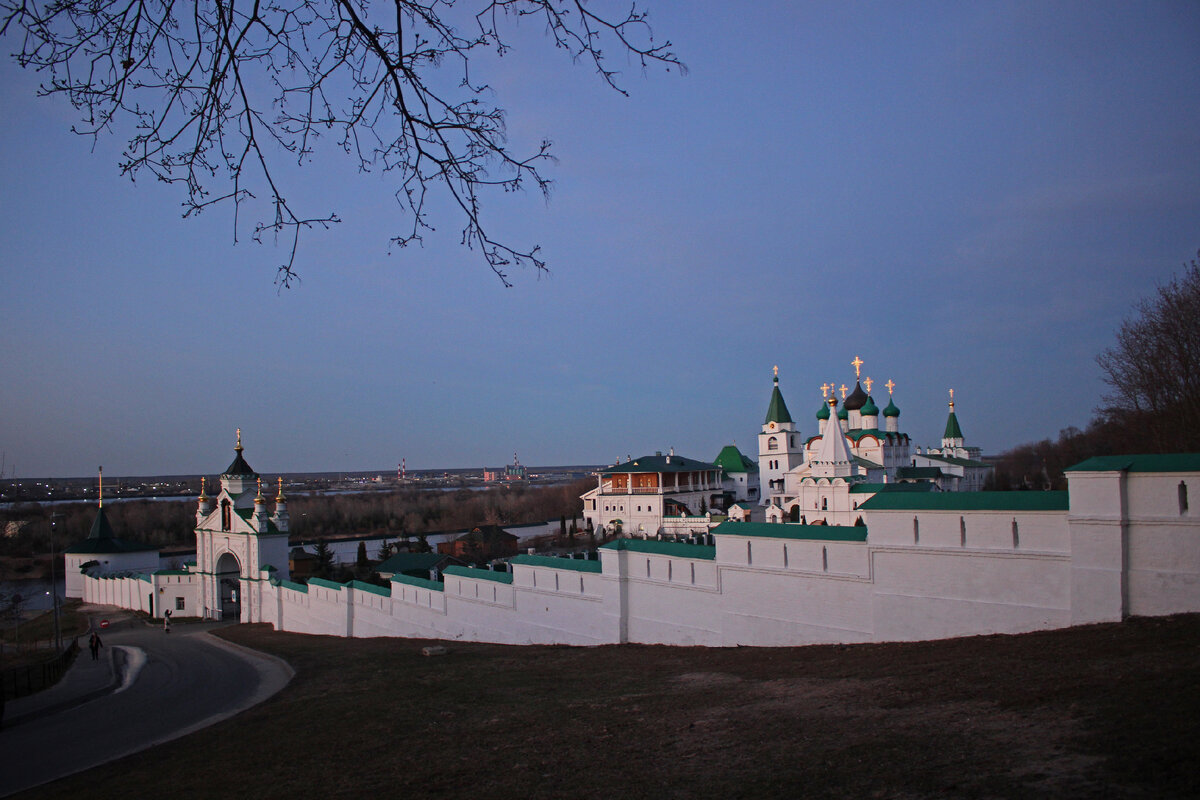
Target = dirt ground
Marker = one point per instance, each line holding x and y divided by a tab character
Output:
1099	711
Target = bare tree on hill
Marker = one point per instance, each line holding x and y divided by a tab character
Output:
1153	370
218	91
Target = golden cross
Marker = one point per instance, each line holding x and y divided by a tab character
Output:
259	489
951	399
239	444
857	364
776	370
868	382
891	385
825	387
843	390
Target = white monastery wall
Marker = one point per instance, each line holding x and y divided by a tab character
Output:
958	573
926	593
1163	567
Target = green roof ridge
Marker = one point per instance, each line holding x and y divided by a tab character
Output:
731	459
423	583
777	411
952	429
479	574
658	547
786	530
555	562
1143	462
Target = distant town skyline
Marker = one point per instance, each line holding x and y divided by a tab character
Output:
963	196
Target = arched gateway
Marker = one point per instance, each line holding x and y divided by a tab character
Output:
228	574
236	540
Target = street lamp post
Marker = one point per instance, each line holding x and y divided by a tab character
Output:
54	518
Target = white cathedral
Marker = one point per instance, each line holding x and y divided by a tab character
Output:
824	479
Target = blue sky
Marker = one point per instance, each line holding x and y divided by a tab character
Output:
964	195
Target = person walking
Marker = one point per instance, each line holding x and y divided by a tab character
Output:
94	644
167	621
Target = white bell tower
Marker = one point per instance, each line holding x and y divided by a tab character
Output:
780	448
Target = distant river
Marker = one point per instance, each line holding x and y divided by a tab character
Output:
35	593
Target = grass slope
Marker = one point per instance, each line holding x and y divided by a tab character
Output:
1111	710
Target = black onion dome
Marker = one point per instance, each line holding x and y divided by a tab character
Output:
857	398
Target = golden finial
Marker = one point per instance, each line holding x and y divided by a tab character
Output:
776	368
202	497
951	399
825	387
867	382
101	492
279	497
843	390
259	499
239	443
857	364
891	385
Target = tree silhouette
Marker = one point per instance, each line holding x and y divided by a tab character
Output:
1153	370
218	92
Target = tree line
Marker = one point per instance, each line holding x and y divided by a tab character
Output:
405	512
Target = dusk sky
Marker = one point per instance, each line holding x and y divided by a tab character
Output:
966	195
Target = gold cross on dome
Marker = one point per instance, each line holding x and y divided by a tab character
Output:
776	368
239	444
843	390
951	395
868	382
857	364
891	384
825	387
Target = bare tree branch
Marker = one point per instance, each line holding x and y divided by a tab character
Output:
216	91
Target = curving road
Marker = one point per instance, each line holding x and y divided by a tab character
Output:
187	680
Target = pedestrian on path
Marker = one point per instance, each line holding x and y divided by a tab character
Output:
167	621
94	644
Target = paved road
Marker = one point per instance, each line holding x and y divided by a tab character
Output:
186	681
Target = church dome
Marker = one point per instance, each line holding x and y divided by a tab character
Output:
891	410
869	409
857	398
843	413
823	413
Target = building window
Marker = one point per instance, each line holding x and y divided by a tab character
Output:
179	604
824	503
1183	506
793	440
772	443
226	516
